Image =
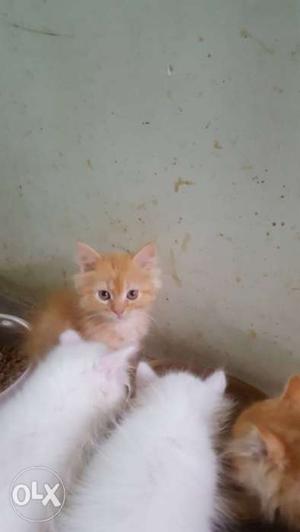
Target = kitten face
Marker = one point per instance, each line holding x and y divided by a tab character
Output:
113	285
266	453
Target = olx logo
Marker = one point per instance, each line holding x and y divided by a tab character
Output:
37	494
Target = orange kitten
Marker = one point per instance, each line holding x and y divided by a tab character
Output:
266	454
111	301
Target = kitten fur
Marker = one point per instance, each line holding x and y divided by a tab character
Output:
158	471
265	451
77	389
116	322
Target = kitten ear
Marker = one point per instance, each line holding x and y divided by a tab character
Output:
249	445
119	360
260	443
144	375
127	354
217	381
274	446
86	257
292	390
147	256
69	337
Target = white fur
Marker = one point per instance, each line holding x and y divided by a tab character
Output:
77	388
144	376
158	472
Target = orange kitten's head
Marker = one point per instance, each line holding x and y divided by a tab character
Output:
266	453
112	285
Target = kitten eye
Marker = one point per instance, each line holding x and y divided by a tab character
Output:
132	294
104	295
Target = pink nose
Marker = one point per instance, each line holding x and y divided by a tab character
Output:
119	313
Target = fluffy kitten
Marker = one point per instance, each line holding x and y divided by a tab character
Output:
158	471
110	304
76	389
265	451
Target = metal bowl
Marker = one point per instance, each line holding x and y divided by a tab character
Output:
13	368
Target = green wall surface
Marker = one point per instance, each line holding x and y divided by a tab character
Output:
127	121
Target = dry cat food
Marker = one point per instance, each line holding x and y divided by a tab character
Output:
12	366
12	361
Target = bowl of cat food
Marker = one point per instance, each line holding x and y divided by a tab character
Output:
13	363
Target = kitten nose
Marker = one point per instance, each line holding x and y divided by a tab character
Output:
119	313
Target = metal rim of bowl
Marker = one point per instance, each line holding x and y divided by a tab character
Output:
25	324
14	319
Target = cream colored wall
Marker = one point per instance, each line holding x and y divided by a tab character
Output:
125	121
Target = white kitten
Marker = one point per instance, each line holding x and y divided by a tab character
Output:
158	471
77	388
